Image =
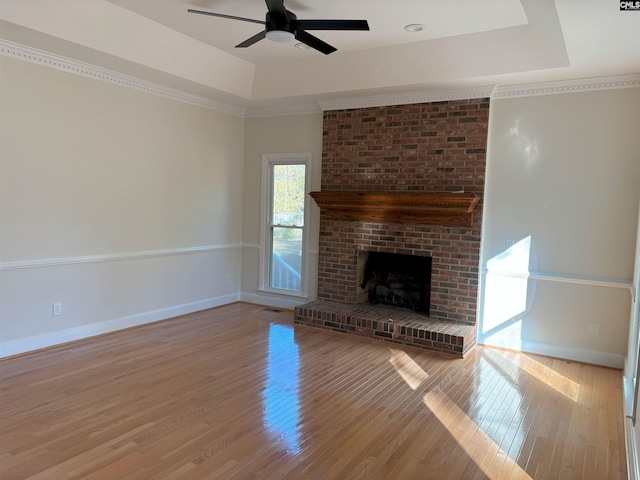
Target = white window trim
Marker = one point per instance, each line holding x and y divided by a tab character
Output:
268	160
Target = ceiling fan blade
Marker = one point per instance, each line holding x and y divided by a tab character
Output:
276	9
250	41
314	42
332	24
232	17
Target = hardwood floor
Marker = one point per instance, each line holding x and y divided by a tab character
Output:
238	392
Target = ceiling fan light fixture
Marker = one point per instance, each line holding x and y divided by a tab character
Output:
281	25
414	27
281	36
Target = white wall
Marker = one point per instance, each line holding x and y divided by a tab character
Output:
285	134
128	207
123	206
563	177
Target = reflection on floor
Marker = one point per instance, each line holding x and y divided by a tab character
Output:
280	395
239	392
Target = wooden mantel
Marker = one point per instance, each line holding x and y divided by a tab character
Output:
417	208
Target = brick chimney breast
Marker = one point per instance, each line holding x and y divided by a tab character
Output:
434	147
420	148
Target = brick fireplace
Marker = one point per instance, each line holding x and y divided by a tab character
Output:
436	148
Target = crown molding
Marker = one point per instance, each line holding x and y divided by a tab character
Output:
40	57
497	92
308	109
567	86
494	92
405	98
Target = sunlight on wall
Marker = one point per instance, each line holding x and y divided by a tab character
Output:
505	294
525	145
280	397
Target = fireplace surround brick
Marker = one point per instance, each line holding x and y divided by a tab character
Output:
434	147
391	324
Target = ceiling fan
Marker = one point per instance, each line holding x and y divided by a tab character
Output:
281	25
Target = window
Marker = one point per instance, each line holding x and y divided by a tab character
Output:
284	226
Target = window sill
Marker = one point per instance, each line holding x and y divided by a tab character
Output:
283	293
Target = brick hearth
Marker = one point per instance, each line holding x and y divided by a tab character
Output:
397	325
435	147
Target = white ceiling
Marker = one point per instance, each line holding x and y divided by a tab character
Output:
466	44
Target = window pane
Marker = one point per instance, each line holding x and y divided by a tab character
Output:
286	258
288	195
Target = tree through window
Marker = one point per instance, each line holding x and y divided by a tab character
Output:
284	237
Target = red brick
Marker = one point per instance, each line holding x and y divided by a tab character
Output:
424	147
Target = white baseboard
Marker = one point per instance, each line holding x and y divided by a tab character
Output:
569	353
24	345
272	300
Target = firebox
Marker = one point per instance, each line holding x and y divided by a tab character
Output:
394	279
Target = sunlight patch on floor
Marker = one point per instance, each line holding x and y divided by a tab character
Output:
546	375
477	445
407	368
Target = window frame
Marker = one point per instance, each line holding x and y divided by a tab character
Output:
631	382
269	160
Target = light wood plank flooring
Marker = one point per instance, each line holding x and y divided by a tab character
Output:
238	392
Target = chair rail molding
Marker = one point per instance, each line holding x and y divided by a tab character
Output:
109	257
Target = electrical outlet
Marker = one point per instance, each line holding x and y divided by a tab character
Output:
594	329
228	279
57	309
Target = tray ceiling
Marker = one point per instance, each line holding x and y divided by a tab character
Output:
465	44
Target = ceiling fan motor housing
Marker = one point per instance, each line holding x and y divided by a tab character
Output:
278	22
281	25
280	28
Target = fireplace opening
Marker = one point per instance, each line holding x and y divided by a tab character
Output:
394	279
